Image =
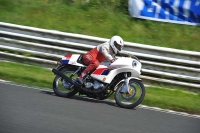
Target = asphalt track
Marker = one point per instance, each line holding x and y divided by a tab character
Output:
27	110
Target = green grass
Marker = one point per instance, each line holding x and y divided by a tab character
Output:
172	99
99	18
155	96
26	74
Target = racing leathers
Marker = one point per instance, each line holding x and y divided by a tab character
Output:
97	55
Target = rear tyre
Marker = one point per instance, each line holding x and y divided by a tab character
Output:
63	88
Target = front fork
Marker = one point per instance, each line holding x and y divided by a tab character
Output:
125	88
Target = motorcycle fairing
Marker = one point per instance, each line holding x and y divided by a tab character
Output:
101	71
71	59
66	58
108	78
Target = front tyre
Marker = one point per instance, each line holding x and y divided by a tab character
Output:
63	88
134	97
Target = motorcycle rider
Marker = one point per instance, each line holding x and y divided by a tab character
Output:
104	51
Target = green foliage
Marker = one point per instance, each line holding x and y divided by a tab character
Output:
114	5
7	5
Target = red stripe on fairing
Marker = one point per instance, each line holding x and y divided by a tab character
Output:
68	56
99	71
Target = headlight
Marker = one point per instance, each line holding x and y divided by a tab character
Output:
134	64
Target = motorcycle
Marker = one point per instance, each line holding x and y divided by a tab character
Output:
120	78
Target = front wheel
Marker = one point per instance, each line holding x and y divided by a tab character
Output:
63	88
134	97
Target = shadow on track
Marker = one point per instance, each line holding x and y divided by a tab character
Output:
87	99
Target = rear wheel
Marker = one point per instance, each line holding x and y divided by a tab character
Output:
63	88
134	97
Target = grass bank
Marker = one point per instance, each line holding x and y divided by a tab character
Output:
99	18
155	96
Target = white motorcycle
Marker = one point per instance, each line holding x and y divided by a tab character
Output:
120	77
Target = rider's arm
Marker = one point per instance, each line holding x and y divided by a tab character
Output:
105	50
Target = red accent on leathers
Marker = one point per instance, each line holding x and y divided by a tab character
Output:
93	58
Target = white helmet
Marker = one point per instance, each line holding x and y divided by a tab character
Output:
117	43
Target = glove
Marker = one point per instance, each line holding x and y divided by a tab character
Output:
111	61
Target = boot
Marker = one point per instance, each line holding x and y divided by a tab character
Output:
79	80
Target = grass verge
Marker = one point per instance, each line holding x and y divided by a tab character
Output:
155	96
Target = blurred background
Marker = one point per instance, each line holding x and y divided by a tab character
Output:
101	18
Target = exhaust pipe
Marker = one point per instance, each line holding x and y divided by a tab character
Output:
56	72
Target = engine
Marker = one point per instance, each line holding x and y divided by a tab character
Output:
95	85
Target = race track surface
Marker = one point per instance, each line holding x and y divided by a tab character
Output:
28	110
